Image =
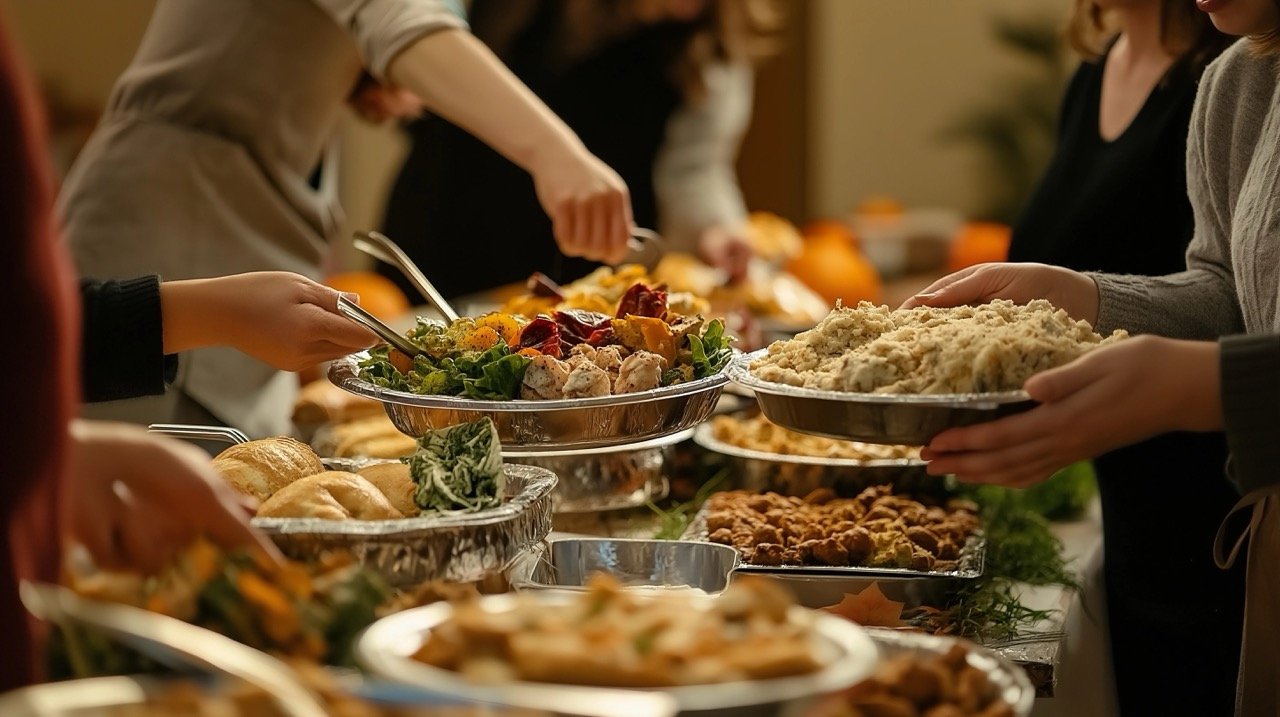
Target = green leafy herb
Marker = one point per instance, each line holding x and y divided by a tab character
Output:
458	468
712	351
675	520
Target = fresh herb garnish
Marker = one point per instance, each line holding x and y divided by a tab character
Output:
712	351
458	468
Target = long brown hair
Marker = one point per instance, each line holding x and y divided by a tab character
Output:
1186	32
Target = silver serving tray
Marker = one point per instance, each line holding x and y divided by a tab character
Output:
599	479
892	418
548	425
970	564
1015	688
386	648
462	547
798	475
569	564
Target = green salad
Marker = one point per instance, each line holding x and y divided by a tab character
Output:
458	468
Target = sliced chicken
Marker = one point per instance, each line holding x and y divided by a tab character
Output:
544	379
609	358
586	380
641	371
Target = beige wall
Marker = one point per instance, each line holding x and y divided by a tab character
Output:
886	76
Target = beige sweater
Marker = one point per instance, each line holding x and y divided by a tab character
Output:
201	165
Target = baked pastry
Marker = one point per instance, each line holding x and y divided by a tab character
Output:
260	468
322	402
369	437
396	484
331	495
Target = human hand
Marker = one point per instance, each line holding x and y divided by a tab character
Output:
135	500
727	250
377	103
283	319
589	206
1020	283
1110	397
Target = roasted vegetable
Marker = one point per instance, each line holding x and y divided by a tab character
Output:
458	468
642	300
542	334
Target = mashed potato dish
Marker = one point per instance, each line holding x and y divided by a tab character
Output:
968	349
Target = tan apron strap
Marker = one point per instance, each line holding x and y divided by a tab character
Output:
1254	501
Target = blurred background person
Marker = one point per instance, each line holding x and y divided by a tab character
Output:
213	158
1114	199
661	90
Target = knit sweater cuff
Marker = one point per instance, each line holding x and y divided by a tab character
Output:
1122	303
1251	407
123	354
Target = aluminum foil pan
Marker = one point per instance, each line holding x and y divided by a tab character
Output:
570	564
1011	680
904	419
606	478
970	564
457	547
386	648
800	475
548	425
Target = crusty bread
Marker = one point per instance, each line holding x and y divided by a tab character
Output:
322	402
260	468
331	495
371	437
394	481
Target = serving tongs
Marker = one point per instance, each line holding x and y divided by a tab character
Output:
176	643
356	313
380	247
221	434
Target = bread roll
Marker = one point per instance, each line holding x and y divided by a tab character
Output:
260	468
322	402
396	484
372	437
331	495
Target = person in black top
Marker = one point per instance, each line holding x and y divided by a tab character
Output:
133	329
658	89
1114	199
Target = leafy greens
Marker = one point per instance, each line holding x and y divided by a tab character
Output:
458	468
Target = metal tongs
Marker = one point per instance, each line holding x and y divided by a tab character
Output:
380	247
221	434
176	643
356	313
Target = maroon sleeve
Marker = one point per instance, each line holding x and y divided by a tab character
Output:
38	379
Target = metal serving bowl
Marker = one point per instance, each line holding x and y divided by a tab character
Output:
560	424
798	475
569	564
386	649
1011	680
893	418
461	547
598	479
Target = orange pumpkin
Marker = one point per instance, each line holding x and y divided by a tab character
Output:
378	294
830	228
834	269
979	243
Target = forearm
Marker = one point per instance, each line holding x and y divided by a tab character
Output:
458	78
193	314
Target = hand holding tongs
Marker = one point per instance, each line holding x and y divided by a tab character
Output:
174	641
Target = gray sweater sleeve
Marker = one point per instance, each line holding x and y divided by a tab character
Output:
1201	302
1251	407
383	28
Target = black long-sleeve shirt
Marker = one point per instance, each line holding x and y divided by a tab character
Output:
122	350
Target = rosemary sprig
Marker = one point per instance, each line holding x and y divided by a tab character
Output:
674	521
